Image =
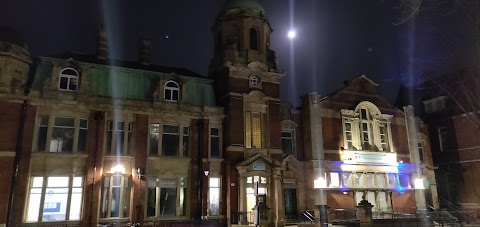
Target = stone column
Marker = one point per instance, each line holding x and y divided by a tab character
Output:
242	219
279	209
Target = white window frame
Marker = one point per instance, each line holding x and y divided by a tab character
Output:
181	187
50	125
181	152
171	90
44	193
125	190
70	79
112	127
347	143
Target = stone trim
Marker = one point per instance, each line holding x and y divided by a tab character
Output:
7	154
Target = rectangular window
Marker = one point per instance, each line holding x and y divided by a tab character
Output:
403	180
334	179
380	180
348	135
115	197
61	197
164	195
62	134
154	133
186	141
443	138
117	133
365	136
170	140
214	143
253	130
392	180
214	196
347	180
383	137
287	143
420	151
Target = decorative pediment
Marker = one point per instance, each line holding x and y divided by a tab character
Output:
257	159
288	125
257	67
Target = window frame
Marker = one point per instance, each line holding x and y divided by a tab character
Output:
43	193
181	152
50	126
292	140
112	127
253	36
250	138
181	185
443	137
254	81
211	136
171	90
69	79
219	198
124	196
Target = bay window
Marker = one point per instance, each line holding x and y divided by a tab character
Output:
61	134
166	196
55	198
115	196
119	135
253	129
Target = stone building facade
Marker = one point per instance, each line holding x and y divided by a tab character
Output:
88	139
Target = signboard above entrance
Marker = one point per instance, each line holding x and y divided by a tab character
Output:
360	157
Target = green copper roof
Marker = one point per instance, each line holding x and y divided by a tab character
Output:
244	4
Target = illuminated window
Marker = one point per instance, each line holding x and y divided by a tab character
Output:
383	136
334	179
166	197
172	91
287	142
62	135
214	196
115	197
68	80
57	199
365	128
214	143
253	130
119	135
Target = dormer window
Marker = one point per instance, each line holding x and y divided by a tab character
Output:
172	91
255	82
68	80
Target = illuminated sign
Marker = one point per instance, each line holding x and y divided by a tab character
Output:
354	157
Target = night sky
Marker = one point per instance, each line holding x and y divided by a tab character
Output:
336	39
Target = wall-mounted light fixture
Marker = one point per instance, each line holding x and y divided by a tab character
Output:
206	172
140	173
118	169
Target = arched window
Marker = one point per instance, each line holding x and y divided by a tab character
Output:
68	80
253	39
172	91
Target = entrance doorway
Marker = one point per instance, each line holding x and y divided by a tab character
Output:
290	203
250	191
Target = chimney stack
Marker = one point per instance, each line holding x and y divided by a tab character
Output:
144	51
102	45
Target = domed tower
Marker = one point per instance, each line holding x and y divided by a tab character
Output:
247	85
14	62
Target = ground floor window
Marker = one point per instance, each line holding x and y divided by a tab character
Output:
214	196
290	199
166	196
55	198
115	196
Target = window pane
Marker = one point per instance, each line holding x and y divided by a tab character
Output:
83	123
119	142
214	198
257	130
64	122
57	182
76	204
183	207
109	142
63	83
37	182
186	145
248	130
214	182
170	129
175	95
120	126
214	147
380	180
82	140
73	84
347	180
168	94
392	180
33	206
369	178
151	201
214	131
168	200
62	139
334	179
154	130
77	181
170	145
403	178
55	205
115	203
287	146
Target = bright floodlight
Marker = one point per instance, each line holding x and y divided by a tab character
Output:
291	34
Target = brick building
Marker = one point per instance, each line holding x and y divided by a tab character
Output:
88	139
